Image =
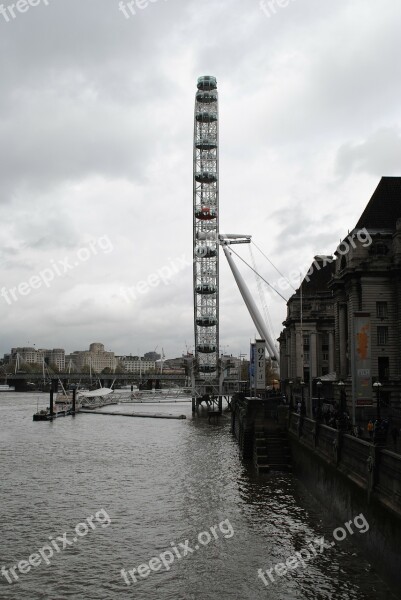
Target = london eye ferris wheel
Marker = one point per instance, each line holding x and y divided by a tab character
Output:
206	228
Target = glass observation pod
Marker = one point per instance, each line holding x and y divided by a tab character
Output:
208	273
206	288
206	213
206	144
206	177
205	251
206	97
206	321
207	368
207	82
207	235
206	348
206	117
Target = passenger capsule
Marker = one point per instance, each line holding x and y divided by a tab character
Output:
206	348
206	144
206	213
205	251
207	82
206	288
206	116
207	368
206	321
206	97
207	235
206	177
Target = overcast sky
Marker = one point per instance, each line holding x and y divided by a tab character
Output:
96	126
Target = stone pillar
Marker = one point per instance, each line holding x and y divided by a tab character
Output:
331	352
343	341
293	353
299	355
313	354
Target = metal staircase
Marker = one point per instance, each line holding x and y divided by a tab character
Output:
271	451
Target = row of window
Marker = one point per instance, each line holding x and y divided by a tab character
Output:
382	340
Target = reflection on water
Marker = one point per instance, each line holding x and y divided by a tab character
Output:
162	482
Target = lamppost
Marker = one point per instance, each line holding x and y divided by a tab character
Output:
319	408
291	383
341	421
377	385
243	377
303	407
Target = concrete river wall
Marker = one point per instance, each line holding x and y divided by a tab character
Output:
346	474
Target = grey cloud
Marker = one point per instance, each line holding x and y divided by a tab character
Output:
96	134
379	154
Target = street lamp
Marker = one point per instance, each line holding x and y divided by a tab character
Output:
319	408
291	383
377	385
341	386
303	407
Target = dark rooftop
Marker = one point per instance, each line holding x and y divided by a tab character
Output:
318	276
384	207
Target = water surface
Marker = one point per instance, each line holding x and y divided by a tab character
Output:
161	482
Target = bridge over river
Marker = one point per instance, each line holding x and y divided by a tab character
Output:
22	381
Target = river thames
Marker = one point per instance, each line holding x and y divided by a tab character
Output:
151	487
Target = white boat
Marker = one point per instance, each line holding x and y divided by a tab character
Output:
99	392
6	388
96	398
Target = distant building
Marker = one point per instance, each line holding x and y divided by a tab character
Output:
96	358
136	364
55	357
231	366
26	354
38	356
175	366
152	356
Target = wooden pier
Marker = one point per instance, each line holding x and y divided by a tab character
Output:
132	414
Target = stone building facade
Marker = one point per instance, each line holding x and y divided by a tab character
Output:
367	282
29	355
351	327
96	358
307	348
